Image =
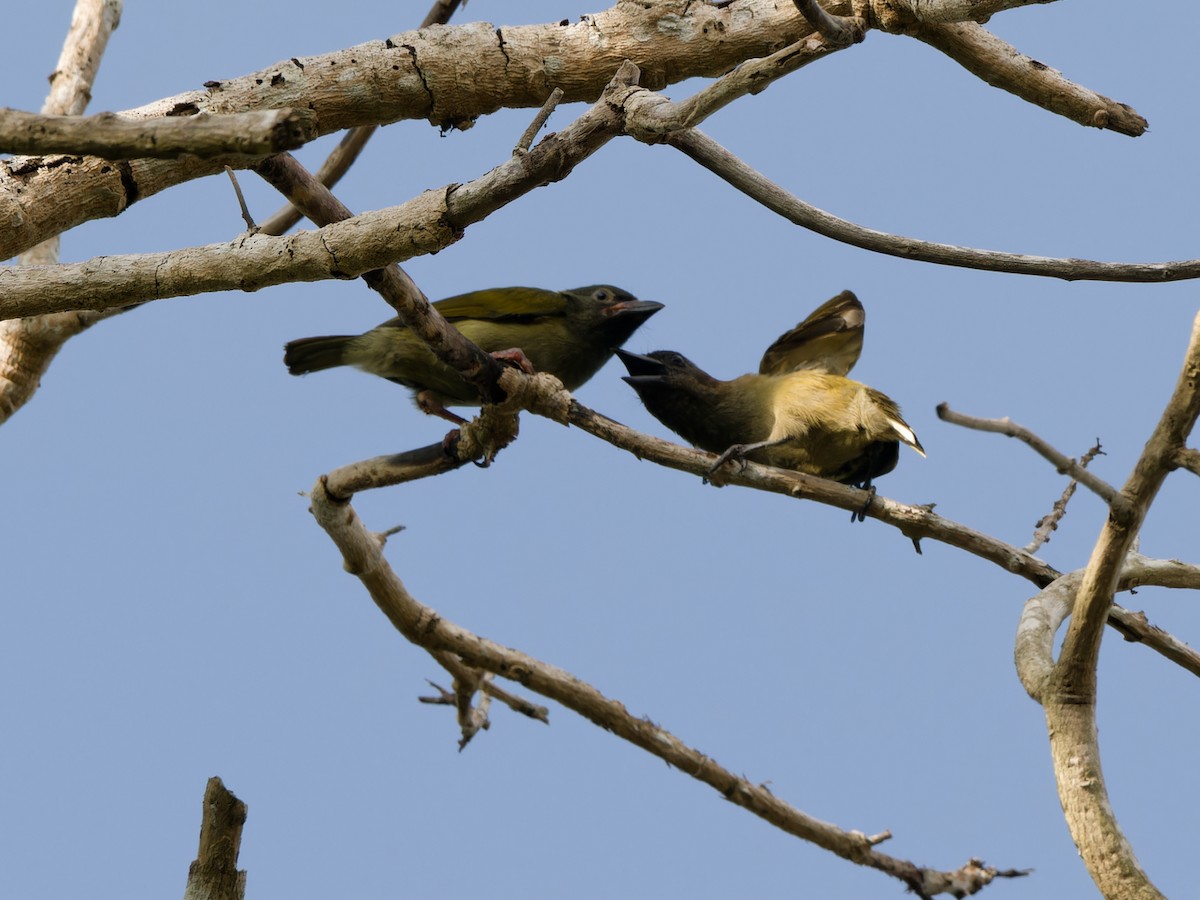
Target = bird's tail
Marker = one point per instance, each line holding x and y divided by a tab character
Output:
312	354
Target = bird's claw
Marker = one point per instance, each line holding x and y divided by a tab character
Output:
734	454
860	515
517	357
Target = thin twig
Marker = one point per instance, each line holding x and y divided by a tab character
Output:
728	167
538	121
241	198
839	31
1061	462
441	12
1049	522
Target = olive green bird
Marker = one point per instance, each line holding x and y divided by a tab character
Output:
568	334
799	411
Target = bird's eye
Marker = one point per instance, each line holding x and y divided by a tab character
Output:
677	359
601	295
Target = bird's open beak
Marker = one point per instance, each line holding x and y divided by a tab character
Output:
642	369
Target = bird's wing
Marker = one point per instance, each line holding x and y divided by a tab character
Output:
829	340
503	303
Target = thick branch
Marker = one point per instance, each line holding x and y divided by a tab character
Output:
425	224
28	347
214	875
446	74
109	136
420	74
959	10
1081	647
1045	613
1067	689
999	64
353	141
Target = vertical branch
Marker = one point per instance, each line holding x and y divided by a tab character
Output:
1069	697
214	874
27	346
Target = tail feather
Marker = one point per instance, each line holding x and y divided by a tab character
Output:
312	354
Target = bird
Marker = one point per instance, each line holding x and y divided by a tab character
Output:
799	411
569	334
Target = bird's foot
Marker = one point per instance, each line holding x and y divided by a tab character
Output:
517	357
735	453
430	404
860	515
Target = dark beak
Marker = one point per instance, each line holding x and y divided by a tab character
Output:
641	309
645	368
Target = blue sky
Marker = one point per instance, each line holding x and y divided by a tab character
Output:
173	612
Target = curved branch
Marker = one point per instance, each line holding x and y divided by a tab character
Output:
728	167
1076	670
362	553
1067	689
1062	463
1044	614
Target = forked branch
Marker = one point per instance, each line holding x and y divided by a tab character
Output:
362	553
1067	688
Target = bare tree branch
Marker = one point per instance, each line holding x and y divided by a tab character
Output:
1081	647
1067	689
28	347
425	224
1189	459
724	164
450	662
999	64
318	203
109	136
1062	463
362	553
959	10
544	395
214	875
336	164
838	30
1049	522
421	71
526	139
354	140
